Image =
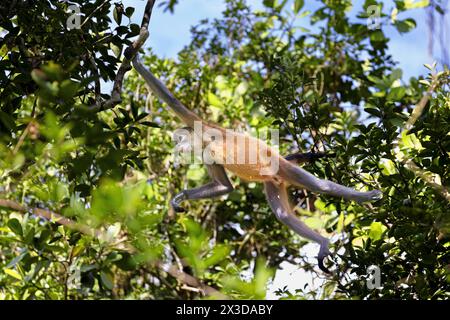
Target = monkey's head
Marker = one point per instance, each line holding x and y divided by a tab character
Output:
184	140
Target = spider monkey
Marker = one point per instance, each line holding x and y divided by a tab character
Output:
217	141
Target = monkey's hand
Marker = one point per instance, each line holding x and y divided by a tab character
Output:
323	253
175	202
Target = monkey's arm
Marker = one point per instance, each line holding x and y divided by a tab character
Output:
219	186
278	200
164	94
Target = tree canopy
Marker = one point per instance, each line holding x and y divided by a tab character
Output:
86	176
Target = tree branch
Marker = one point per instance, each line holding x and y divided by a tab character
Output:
129	54
174	271
49	215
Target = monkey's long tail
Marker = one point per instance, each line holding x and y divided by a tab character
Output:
164	94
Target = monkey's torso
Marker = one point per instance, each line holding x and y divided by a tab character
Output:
249	158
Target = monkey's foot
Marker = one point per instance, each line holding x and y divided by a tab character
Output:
375	195
175	202
370	196
323	253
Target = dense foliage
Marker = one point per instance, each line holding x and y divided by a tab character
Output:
330	86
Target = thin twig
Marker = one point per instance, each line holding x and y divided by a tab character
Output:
27	129
129	54
409	163
92	13
97	89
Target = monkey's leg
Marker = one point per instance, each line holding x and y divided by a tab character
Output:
279	202
219	186
302	178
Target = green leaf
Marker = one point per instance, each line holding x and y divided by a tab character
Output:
429	67
68	89
411	141
214	100
117	14
195	173
396	75
439	9
129	11
396	93
53	71
298	5
328	289
107	279
116	50
17	259
376	231
220	252
410	4
388	167
7	120
150	124
377	36
13	273
39	77
15	226
29	236
340	224
126	263
314	222
404	26
375	80
373	111
44	236
135	29
77	250
348	219
269	3
88	267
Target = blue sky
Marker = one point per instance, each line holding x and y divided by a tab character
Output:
170	32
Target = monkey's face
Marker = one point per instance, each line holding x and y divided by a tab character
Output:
183	139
